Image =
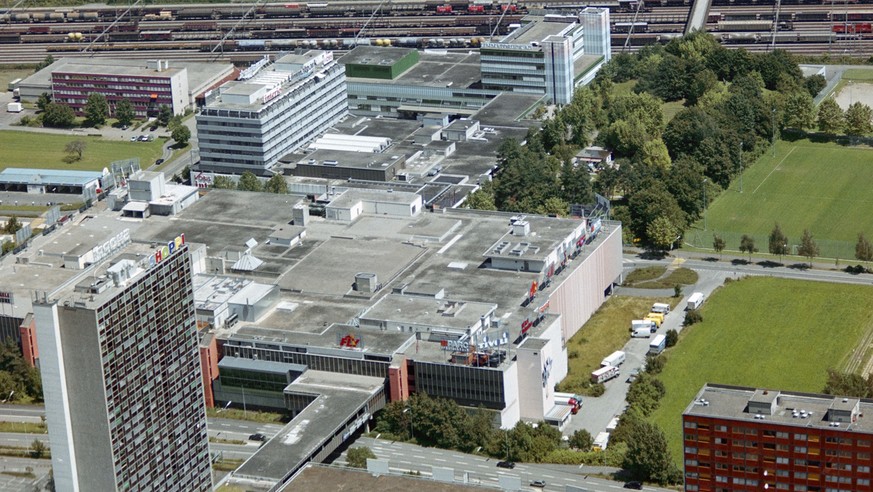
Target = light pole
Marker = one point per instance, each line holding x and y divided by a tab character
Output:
411	426
773	136
741	167
704	202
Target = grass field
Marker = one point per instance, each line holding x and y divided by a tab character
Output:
764	332
46	151
858	74
9	75
607	331
825	187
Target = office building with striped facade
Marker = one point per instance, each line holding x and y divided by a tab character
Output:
549	54
247	125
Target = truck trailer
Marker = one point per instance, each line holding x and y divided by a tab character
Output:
604	374
614	359
657	345
695	300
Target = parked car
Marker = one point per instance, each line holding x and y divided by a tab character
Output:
538	483
505	464
257	437
633	485
133	138
143	138
633	375
125	127
159	162
154	128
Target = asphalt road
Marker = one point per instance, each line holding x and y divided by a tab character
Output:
404	457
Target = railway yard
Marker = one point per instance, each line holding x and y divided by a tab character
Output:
239	32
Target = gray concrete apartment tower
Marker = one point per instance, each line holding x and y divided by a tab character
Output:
121	373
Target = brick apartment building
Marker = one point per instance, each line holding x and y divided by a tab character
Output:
738	439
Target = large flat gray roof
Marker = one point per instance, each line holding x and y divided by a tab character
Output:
536	31
731	402
436	70
341	395
374	55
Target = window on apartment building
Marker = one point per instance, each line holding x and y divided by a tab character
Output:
800	449
690	450
690	425
690	462
721	428
863	469
864	443
782	460
782	435
799	437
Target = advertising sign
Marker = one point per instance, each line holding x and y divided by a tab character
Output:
105	249
163	252
547	371
350	341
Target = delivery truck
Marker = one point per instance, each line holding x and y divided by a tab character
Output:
570	400
601	441
604	374
643	323
660	307
695	300
614	359
657	345
656	318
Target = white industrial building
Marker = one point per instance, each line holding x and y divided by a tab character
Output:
249	124
550	54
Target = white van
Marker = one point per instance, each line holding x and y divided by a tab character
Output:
642	333
639	324
695	300
660	307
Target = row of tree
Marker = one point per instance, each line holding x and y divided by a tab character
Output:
17	379
778	245
249	182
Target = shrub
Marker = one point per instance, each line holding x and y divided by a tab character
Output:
692	316
596	390
672	337
655	364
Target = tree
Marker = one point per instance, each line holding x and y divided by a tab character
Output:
48	60
37	449
12	225
859	119
672	338
6	247
654	154
164	114
249	182
718	244
554	206
96	110
181	134
357	457
747	245
863	249
576	184
43	101
651	202
223	183
74	150
830	117
847	384
808	247
799	111
662	233
778	242
581	440
124	112
276	184
648	457
482	199
175	122
814	84
58	115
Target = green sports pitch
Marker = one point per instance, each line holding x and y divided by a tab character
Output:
824	187
769	333
35	150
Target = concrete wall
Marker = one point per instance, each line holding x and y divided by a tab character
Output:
582	291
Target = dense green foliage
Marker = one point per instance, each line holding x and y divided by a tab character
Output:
444	424
124	112
17	379
357	457
249	182
96	110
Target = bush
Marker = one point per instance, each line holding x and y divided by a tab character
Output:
655	364
573	354
597	389
693	316
581	440
357	457
677	290
672	337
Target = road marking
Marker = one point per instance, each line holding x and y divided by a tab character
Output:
418	457
440	459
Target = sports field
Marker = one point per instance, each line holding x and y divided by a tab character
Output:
46	151
765	332
825	187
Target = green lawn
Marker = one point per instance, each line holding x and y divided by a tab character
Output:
46	151
858	74
764	332
608	330
8	75
825	187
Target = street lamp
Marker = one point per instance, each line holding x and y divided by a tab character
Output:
411	427
225	407
704	202
773	136
741	167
